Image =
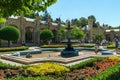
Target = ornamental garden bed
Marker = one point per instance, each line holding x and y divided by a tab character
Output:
13	49
111	45
63	45
93	69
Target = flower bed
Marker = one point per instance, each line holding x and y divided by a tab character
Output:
88	72
87	45
47	68
93	69
57	45
13	49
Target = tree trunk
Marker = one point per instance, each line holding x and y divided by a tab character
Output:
8	43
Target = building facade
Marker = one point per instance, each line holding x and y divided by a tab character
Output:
30	29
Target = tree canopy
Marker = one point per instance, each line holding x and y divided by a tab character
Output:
99	37
77	33
46	35
83	21
9	33
17	7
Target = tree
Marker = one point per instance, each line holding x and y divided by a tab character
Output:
17	7
75	22
94	20
83	21
77	33
62	32
99	37
92	17
2	20
46	35
46	15
9	33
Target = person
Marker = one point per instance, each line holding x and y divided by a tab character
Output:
23	43
116	43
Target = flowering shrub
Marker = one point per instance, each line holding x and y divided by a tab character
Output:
47	68
114	58
111	45
88	72
58	45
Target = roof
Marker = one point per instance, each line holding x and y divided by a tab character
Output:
55	24
29	19
109	30
33	20
14	17
87	28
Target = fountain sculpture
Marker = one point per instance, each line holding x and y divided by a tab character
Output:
69	50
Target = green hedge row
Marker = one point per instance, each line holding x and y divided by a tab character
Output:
45	46
13	49
112	47
74	45
85	63
30	78
8	66
112	73
87	45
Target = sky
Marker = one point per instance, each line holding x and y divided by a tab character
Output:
105	11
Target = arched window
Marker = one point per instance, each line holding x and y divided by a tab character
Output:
29	34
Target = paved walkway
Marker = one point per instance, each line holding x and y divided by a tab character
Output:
10	62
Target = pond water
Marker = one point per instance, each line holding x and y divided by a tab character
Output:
57	54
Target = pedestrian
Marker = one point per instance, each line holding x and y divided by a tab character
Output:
116	43
23	43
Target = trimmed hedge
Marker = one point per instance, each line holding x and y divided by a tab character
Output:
30	78
57	46
85	63
87	45
48	46
61	46
8	66
13	49
112	73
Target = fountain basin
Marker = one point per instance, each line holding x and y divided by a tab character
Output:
73	52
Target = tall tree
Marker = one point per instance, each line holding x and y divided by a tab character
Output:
75	22
92	17
62	31
83	21
77	33
94	20
46	15
17	7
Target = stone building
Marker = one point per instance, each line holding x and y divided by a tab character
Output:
30	29
109	34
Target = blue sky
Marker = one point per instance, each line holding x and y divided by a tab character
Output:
105	11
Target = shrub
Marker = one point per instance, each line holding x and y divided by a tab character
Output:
85	63
30	78
8	66
47	68
13	49
114	58
87	45
111	73
46	35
